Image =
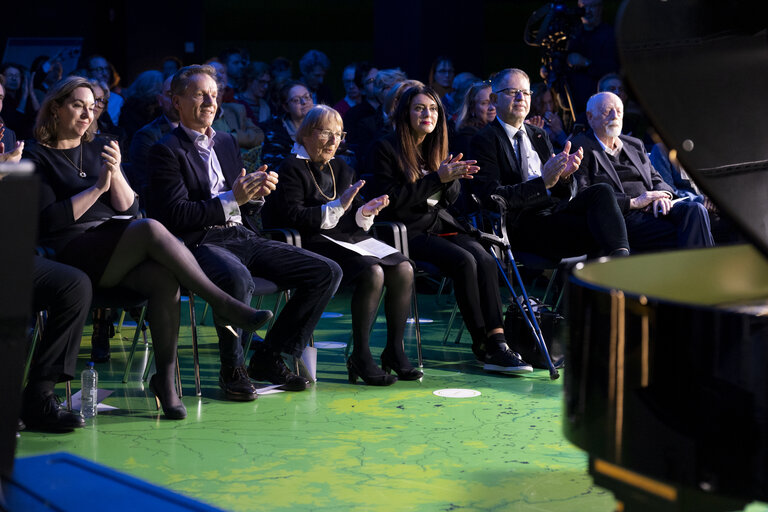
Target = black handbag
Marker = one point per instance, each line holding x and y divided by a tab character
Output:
521	340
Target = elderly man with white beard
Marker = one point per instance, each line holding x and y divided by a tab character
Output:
655	219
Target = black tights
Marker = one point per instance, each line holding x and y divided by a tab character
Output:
369	286
151	261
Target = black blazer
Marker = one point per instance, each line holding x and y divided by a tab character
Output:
408	201
179	191
501	174
596	167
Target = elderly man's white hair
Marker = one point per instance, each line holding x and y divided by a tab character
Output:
597	99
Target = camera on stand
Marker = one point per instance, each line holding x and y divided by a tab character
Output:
552	27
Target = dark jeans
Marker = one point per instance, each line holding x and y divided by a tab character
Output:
66	293
231	256
686	225
475	277
591	223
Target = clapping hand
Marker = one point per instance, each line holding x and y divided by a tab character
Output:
15	154
348	195
452	168
374	206
111	157
561	165
249	186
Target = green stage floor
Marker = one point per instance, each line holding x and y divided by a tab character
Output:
340	447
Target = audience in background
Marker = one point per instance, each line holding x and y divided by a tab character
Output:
313	66
353	94
280	131
253	97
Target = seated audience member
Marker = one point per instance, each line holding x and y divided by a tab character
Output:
318	195
21	104
313	66
365	76
254	96
146	137
231	118
635	122
545	214
453	100
83	200
653	221
7	136
441	76
199	189
413	168
170	65
65	292
100	69
544	114
140	105
234	62
280	131
476	111
368	128
353	95
47	72
103	123
281	70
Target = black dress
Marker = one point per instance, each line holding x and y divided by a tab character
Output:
88	242
304	187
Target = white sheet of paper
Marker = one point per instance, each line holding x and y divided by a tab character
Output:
101	394
269	390
369	247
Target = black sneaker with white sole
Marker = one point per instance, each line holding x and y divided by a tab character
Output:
504	360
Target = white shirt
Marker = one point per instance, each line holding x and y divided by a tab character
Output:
333	211
532	165
613	152
204	143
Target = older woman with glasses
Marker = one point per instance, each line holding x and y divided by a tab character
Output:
318	195
280	131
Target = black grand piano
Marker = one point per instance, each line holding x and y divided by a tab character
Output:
667	380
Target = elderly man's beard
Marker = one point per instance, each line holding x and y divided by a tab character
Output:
613	129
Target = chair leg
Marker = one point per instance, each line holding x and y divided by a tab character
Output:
178	376
36	335
415	305
68	396
136	334
450	323
195	350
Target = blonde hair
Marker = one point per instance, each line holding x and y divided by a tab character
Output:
47	123
318	116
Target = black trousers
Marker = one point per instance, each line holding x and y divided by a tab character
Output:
66	293
475	277
230	256
686	225
590	223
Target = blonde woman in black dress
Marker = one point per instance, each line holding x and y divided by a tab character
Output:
320	196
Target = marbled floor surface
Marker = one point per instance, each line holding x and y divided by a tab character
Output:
340	447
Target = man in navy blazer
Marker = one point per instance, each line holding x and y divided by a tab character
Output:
200	191
654	220
547	216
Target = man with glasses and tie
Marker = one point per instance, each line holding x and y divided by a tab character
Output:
200	191
546	215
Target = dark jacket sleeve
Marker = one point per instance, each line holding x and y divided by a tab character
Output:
486	149
389	179
176	199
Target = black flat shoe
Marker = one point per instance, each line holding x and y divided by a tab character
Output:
377	379
176	412
243	317
389	363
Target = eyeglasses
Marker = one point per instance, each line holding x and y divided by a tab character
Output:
514	92
369	81
100	101
103	69
306	98
325	135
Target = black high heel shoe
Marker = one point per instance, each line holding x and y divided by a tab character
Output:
178	412
379	379
389	363
243	317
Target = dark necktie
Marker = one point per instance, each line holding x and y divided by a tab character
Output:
522	156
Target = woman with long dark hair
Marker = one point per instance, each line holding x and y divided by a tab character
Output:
87	212
413	167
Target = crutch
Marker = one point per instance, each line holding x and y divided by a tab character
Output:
526	309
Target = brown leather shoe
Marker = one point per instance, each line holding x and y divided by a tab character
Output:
236	384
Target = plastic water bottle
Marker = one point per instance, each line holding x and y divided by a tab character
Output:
89	383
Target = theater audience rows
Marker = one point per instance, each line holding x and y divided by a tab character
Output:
206	147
